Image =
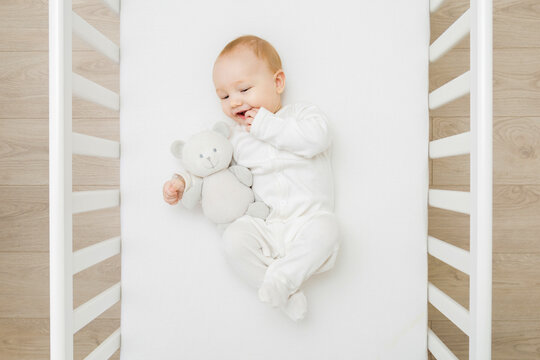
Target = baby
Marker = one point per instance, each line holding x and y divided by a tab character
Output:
288	151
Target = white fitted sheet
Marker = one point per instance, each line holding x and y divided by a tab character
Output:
365	63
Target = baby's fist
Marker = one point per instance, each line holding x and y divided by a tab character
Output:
173	190
250	116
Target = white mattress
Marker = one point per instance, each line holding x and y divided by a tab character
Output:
365	63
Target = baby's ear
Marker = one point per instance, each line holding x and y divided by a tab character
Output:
177	147
222	128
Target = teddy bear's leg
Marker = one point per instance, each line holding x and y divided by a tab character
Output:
258	209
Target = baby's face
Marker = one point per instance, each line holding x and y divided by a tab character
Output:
244	81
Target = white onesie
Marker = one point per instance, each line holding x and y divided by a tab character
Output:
289	154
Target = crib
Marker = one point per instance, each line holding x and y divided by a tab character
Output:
65	321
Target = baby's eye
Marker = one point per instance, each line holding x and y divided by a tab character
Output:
223	98
246	90
215	150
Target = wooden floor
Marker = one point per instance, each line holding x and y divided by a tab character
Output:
24	281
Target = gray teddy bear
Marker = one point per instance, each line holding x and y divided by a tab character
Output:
222	187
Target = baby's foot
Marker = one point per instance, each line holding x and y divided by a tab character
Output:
274	293
296	306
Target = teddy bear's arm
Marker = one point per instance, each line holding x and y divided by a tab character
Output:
243	174
192	196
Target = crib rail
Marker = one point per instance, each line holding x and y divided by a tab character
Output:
475	322
63	203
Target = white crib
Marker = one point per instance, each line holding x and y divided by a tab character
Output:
64	263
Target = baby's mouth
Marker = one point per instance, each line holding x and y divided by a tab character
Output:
242	114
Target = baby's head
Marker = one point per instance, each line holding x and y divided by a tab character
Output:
247	74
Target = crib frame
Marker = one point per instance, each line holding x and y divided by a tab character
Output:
63	202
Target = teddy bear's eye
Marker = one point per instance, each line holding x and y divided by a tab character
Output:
200	155
215	150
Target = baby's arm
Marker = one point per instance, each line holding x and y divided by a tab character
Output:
306	134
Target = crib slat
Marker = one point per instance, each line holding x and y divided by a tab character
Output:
114	5
458	201
90	91
91	255
83	201
94	146
95	307
448	39
450	254
438	348
434	5
450	91
93	37
449	308
107	348
450	146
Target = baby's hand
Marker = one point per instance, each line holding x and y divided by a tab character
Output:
250	115
173	189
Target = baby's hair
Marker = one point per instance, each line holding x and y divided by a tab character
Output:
260	47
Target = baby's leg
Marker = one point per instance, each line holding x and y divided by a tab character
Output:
312	250
247	250
249	254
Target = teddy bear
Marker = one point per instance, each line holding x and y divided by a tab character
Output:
222	186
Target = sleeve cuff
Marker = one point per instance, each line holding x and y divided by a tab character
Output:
186	177
260	123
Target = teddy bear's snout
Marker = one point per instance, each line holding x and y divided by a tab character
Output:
210	162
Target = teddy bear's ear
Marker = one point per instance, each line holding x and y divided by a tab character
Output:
222	128
177	147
